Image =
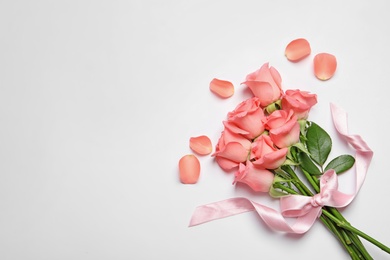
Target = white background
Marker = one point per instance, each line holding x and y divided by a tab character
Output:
98	100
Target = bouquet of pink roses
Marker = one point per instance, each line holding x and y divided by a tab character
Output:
271	146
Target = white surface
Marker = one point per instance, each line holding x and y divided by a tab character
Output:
98	100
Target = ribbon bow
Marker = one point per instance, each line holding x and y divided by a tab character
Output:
308	209
298	205
305	209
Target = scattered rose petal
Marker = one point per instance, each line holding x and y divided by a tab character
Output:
201	145
297	49
324	66
222	88
189	169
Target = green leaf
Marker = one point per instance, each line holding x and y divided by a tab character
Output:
288	170
341	164
318	143
280	173
307	164
277	193
302	127
301	147
289	162
292	154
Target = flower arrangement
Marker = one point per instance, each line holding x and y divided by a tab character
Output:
272	147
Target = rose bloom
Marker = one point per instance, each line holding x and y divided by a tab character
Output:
298	101
231	149
283	128
258	179
266	155
266	84
246	118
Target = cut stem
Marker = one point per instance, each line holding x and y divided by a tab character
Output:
347	226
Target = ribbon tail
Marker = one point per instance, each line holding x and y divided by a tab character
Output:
277	222
221	209
271	217
303	223
363	154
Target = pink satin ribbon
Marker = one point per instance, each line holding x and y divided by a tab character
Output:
305	209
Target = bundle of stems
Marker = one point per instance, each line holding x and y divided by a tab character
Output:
308	163
333	219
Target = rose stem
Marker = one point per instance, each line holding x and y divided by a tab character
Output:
356	231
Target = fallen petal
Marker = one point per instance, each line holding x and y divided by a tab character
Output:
222	88
201	145
189	169
324	66
297	49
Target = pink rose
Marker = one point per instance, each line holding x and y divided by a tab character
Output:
299	101
266	155
283	128
257	178
231	149
246	119
266	84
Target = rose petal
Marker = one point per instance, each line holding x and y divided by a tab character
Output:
234	151
276	76
324	66
297	49
258	179
272	160
226	164
189	169
222	88
201	145
263	90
